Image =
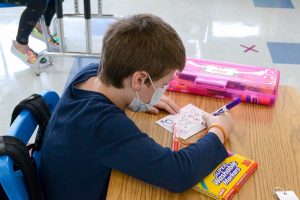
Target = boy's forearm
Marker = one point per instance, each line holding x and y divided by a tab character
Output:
200	159
179	171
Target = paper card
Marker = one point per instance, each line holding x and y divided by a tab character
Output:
189	121
286	195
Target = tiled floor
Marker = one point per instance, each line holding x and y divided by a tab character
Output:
273	3
253	32
285	53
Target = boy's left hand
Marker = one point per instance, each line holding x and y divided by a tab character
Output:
167	104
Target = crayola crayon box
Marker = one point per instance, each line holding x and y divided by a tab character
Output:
227	178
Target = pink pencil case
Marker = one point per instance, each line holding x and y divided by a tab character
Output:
252	84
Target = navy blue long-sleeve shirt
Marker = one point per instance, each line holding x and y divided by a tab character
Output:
88	136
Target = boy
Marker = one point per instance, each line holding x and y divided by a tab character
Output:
89	134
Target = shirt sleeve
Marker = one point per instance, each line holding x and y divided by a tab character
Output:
127	149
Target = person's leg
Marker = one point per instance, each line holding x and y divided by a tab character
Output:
48	15
35	9
50	12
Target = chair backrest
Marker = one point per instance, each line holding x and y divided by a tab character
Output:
23	128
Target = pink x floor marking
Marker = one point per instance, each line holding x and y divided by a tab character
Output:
249	48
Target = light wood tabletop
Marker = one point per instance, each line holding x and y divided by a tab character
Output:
269	135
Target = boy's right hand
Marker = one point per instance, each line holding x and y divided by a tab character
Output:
224	120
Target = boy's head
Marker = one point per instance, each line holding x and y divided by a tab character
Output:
140	43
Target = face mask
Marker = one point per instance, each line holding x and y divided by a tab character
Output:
137	105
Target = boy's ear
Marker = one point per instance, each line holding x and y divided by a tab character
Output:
138	79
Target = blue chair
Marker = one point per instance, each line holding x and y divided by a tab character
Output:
23	128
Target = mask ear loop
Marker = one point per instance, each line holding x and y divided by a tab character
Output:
137	95
164	87
151	82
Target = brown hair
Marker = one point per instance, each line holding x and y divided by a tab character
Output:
140	43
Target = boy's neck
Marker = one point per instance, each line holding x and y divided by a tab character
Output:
116	95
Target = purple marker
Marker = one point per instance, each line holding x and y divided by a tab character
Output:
227	107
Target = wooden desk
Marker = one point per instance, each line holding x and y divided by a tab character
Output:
269	135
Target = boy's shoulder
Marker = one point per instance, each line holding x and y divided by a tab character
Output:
82	72
92	67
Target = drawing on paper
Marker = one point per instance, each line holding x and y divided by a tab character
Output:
189	121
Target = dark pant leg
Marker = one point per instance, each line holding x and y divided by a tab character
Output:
35	9
49	12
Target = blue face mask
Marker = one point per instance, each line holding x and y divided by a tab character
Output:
137	105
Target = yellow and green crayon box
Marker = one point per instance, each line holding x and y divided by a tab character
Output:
228	177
